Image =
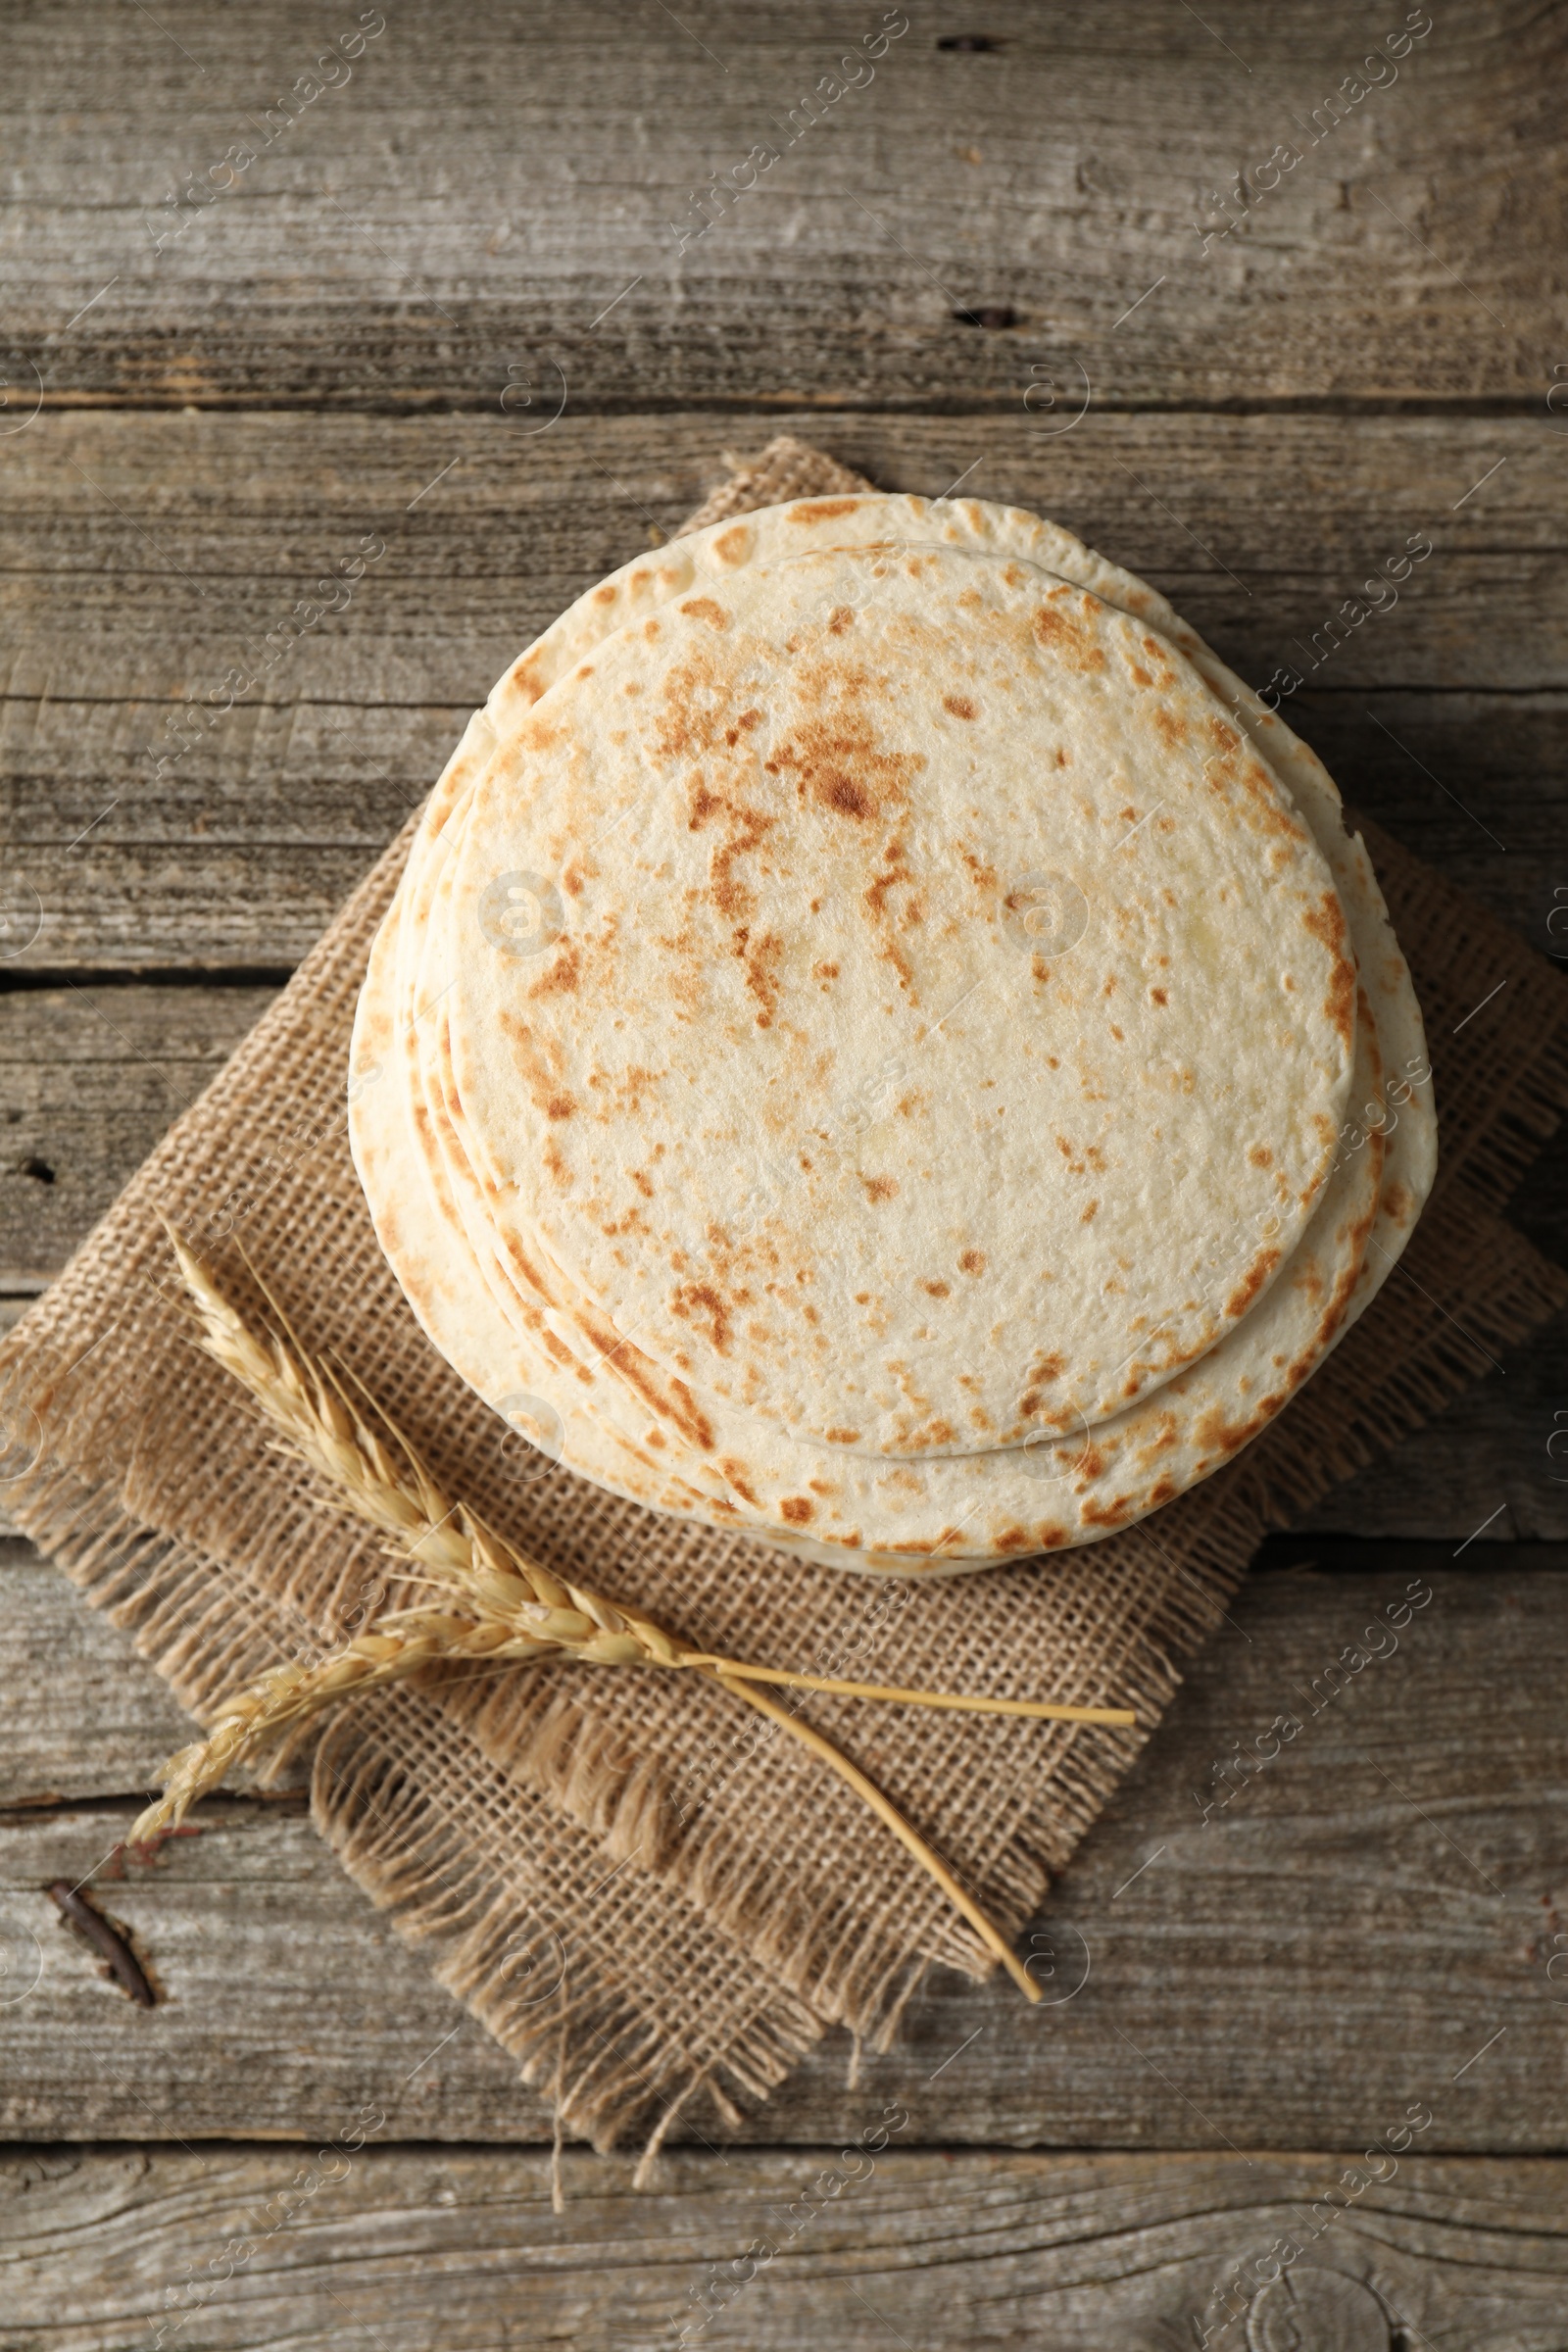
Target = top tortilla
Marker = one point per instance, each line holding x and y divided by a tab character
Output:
947	899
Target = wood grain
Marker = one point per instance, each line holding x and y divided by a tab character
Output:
150	557
90	1079
408	2247
1365	1920
504	188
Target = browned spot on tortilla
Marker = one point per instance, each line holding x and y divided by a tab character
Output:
1339	1297
703	607
1015	1539
1088	1216
798	1509
823	509
733	544
735	1472
842	1436
837	764
1310	1281
839	620
1051	1539
701	1301
605	595
1262	1157
1092	1157
879	1188
1399	1202
674	1402
1252	1282
1162	1492
825	971
1215	1434
961	705
1171	726
1140	674
938	1290
896	860
1108	1514
972	1262
650	629
745	831
1062	636
534	1060
643	1183
1326	922
564	974
760	959
1160	995
554	1165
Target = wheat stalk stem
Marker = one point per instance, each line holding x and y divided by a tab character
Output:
505	1607
887	1811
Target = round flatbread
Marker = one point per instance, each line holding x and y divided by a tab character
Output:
944	901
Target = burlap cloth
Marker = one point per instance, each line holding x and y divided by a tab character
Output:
644	1892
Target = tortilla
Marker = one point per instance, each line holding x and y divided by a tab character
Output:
942	889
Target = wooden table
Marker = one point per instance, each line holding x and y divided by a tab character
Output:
459	298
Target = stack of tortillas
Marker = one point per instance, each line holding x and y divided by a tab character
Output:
885	1044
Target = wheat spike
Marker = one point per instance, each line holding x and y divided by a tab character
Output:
502	1607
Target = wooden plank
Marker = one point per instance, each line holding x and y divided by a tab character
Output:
90	1079
1063	177
1364	1921
406	2247
149	553
65	1668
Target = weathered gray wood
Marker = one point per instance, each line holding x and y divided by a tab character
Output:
1058	180
1340	1935
83	1715
90	1079
406	2247
1445	714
